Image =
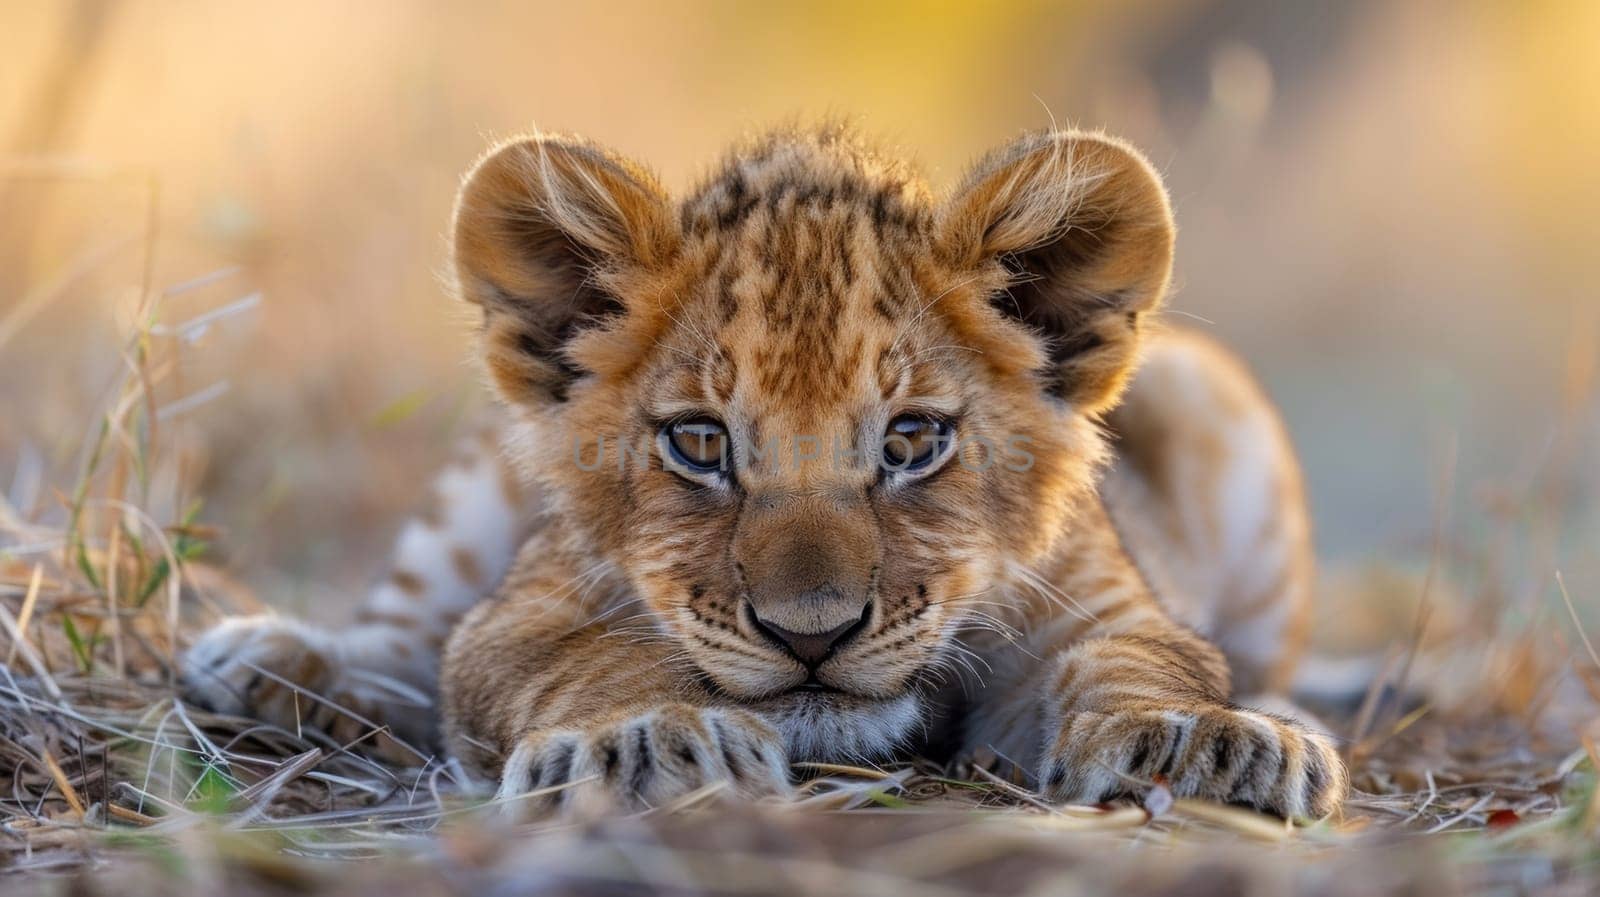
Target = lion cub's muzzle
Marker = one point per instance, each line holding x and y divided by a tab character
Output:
807	567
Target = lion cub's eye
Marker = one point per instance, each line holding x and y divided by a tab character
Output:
699	444
913	442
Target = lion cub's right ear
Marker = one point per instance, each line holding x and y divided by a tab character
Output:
548	231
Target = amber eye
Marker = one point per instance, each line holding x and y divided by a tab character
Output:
913	442
699	444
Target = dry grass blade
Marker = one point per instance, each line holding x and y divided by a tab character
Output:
259	795
1233	819
29	600
67	791
19	642
123	814
1014	791
1577	623
860	772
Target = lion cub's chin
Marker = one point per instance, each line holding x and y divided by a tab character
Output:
830	726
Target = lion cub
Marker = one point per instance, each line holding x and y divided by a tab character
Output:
812	464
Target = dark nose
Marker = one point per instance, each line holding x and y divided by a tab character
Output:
810	648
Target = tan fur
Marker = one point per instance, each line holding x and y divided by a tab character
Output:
815	289
1207	494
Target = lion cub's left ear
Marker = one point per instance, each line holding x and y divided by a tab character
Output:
1081	225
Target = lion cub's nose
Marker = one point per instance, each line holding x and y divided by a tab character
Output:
810	648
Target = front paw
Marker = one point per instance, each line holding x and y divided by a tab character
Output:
1221	753
645	761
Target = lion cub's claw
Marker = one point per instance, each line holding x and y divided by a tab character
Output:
646	761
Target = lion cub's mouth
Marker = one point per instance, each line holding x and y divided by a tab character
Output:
813	686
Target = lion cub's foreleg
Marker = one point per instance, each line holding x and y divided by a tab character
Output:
558	689
1109	695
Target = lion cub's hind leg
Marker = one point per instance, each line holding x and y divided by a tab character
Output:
382	669
1206	492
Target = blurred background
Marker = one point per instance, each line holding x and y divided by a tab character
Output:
1389	208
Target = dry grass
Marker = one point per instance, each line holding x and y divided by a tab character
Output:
115	784
111	784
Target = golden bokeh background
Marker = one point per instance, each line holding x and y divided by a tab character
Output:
1389	207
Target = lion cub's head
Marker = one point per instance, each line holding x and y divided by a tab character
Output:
814	413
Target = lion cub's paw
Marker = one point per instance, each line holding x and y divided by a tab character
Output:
240	667
1222	754
645	761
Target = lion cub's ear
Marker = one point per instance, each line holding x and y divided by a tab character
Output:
1082	226
546	231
